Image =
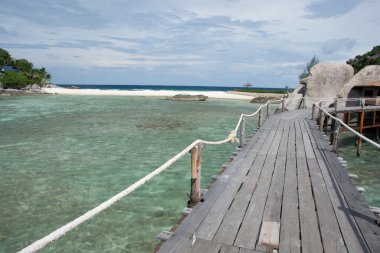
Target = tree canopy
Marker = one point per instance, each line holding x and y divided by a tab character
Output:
370	58
306	71
24	72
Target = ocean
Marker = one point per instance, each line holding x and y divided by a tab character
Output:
164	87
63	155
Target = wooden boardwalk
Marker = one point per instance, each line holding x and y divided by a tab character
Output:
286	174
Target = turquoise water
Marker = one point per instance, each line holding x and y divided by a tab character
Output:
366	166
63	155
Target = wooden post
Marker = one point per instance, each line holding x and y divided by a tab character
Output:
196	157
268	108
320	117
358	147
312	111
260	118
282	105
336	137
242	132
334	122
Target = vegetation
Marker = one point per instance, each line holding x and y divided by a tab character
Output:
306	71
370	58
24	72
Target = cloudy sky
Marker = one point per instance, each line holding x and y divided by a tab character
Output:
182	42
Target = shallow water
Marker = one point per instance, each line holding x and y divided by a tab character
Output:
63	155
366	166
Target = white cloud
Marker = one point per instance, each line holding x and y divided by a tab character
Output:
215	38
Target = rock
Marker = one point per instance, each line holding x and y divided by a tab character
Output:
368	74
325	82
263	99
295	98
188	97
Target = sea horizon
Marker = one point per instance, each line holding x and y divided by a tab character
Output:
167	87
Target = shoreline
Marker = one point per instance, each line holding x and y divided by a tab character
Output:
144	93
157	93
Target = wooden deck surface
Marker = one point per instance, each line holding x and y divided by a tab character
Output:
285	174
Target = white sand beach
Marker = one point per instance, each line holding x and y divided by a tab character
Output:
147	93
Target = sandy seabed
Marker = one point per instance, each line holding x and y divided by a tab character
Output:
147	93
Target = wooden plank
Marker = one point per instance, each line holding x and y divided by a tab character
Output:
248	233
176	244
270	234
284	140
310	236
192	221
289	233
350	230
291	151
216	211
205	246
230	225
232	220
331	236
229	249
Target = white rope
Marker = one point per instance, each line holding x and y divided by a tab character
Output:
251	115
39	244
350	129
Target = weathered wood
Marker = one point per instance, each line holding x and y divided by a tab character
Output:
260	120
242	133
311	238
229	249
205	246
282	105
235	214
359	144
336	137
196	158
320	118
287	174
332	173
270	234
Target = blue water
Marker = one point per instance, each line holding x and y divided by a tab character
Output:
164	87
63	155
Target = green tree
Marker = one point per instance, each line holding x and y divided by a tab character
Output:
5	58
370	58
14	80
24	65
306	71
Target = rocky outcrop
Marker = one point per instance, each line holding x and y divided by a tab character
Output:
367	75
188	97
295	98
264	99
325	82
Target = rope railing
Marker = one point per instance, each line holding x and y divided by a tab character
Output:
377	145
41	243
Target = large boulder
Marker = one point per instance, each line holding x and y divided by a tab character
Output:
188	97
367	75
294	99
325	81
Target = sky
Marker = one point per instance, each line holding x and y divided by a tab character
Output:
182	42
